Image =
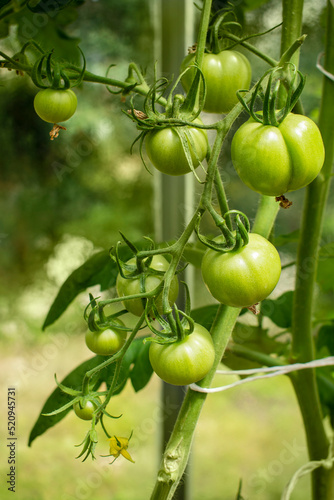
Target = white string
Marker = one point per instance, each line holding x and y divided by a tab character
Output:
322	69
272	371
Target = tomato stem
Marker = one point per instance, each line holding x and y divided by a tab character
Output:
304	383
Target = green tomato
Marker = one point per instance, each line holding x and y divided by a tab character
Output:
185	361
224	74
165	150
55	106
126	286
85	411
106	342
275	160
243	277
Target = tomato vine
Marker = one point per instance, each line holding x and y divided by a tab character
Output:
240	268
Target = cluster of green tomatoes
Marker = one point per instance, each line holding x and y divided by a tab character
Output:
272	159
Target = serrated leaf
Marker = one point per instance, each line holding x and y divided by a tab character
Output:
98	269
254	4
128	360
193	253
325	270
142	369
279	310
326	393
284	239
59	398
205	316
255	339
136	355
46	6
3	3
325	338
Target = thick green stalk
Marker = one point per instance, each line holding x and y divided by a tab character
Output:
176	454
303	348
265	216
292	25
203	28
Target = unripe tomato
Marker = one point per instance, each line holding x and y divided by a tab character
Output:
165	150
224	74
55	106
106	342
243	277
275	160
86	411
131	286
185	361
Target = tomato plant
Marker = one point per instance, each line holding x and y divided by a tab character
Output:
184	361
106	342
282	153
133	286
54	105
242	277
224	73
275	160
85	409
166	152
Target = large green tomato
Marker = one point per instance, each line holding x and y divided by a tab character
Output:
243	277
185	361
126	286
224	74
275	160
165	150
106	342
55	106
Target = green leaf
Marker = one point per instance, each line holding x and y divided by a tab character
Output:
284	239
140	373
325	269
142	369
3	3
254	4
205	316
325	384
325	338
279	310
99	269
193	253
58	398
128	360
46	6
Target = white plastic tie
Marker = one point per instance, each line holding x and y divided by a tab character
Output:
272	371
322	69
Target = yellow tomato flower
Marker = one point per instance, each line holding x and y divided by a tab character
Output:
118	446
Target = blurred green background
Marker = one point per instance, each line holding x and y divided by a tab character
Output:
59	202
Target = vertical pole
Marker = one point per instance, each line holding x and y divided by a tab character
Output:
174	204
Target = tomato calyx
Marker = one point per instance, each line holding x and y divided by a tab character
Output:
175	327
221	22
180	115
97	320
232	240
49	72
141	279
141	267
282	79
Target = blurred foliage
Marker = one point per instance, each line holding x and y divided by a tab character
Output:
87	185
84	182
